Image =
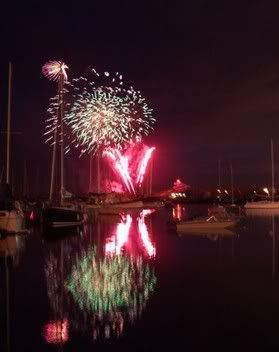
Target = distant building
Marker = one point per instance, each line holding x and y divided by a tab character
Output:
177	191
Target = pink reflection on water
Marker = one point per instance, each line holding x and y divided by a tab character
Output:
178	212
127	235
145	237
56	331
116	242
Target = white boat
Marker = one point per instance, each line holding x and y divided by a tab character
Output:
262	212
266	204
11	221
208	225
212	235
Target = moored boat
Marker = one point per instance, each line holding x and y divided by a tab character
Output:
212	234
115	208
265	204
271	203
62	217
205	224
153	204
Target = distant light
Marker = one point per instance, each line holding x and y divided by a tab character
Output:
266	190
226	191
218	190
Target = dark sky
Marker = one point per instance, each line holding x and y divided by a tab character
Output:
209	69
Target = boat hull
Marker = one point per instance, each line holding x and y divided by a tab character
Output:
262	212
204	226
212	235
120	207
156	204
126	205
262	205
58	217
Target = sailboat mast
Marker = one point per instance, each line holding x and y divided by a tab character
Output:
90	172
219	174
232	188
151	177
272	170
62	141
273	248
219	181
98	173
53	165
9	124
25	179
54	148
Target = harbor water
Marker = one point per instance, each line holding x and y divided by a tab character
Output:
131	283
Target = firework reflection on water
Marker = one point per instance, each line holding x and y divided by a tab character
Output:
103	282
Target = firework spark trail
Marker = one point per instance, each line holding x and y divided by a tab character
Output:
130	165
54	71
143	165
52	121
120	164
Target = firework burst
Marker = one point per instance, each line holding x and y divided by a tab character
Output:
54	70
105	114
131	165
99	112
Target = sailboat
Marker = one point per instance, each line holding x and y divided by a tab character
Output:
266	204
59	215
11	218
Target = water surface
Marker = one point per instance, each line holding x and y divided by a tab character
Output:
132	283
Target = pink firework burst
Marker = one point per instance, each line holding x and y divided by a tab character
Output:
121	166
131	165
54	70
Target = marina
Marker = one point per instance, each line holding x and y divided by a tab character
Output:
139	176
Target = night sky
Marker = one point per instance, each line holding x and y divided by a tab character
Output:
209	69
